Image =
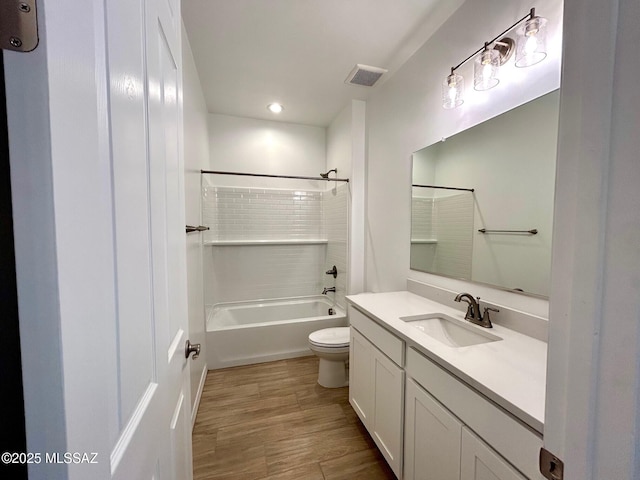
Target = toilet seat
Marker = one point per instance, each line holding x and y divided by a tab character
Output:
337	337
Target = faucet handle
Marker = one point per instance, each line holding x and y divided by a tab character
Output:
486	313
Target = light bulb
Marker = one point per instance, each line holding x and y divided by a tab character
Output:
486	73
452	94
275	108
531	45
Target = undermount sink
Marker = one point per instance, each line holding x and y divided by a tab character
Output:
449	330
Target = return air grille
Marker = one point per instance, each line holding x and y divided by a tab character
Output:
364	75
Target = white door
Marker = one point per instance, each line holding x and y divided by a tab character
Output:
95	136
153	433
432	438
164	86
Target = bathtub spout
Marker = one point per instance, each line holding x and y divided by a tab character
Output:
327	290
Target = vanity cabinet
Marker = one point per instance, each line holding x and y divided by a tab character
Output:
490	440
428	424
376	387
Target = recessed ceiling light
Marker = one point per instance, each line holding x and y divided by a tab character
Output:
275	107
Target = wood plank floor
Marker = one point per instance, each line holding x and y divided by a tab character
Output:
273	421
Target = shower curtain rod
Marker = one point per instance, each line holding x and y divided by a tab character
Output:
445	188
217	172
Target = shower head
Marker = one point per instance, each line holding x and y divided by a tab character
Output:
326	175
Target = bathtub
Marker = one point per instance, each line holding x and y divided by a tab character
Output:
242	333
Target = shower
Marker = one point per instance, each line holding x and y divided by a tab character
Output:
258	227
326	175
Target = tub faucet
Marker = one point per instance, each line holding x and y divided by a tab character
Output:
473	310
327	290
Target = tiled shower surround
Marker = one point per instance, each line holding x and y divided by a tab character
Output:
261	214
448	222
243	260
335	211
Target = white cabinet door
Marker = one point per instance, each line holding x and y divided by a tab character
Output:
432	438
376	390
480	462
361	377
388	387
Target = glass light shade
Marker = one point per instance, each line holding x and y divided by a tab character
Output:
531	46
452	91
485	69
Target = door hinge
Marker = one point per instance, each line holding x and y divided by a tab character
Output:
18	25
551	466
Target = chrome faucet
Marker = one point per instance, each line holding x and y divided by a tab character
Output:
473	310
327	290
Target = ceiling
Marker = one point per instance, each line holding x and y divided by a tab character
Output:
250	53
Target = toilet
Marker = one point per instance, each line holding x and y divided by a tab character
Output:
331	345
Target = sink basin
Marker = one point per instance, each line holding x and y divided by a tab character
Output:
449	330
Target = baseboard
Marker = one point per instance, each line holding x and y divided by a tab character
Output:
218	364
196	404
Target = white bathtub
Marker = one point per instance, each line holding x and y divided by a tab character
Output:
242	333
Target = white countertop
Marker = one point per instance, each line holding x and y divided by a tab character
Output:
510	372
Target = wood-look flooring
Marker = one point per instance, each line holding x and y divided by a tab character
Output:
273	421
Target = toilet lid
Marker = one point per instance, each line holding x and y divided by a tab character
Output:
331	337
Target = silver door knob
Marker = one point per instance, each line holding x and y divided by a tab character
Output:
190	348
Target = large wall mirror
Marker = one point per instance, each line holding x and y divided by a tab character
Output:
482	200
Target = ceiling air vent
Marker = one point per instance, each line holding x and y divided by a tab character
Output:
364	75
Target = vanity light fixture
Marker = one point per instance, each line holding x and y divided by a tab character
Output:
530	49
275	108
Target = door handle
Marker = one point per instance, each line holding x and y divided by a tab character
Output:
200	228
190	348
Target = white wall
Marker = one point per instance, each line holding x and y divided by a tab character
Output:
406	115
346	145
196	157
249	145
339	142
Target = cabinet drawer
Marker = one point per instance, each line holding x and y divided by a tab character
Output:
384	340
515	442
